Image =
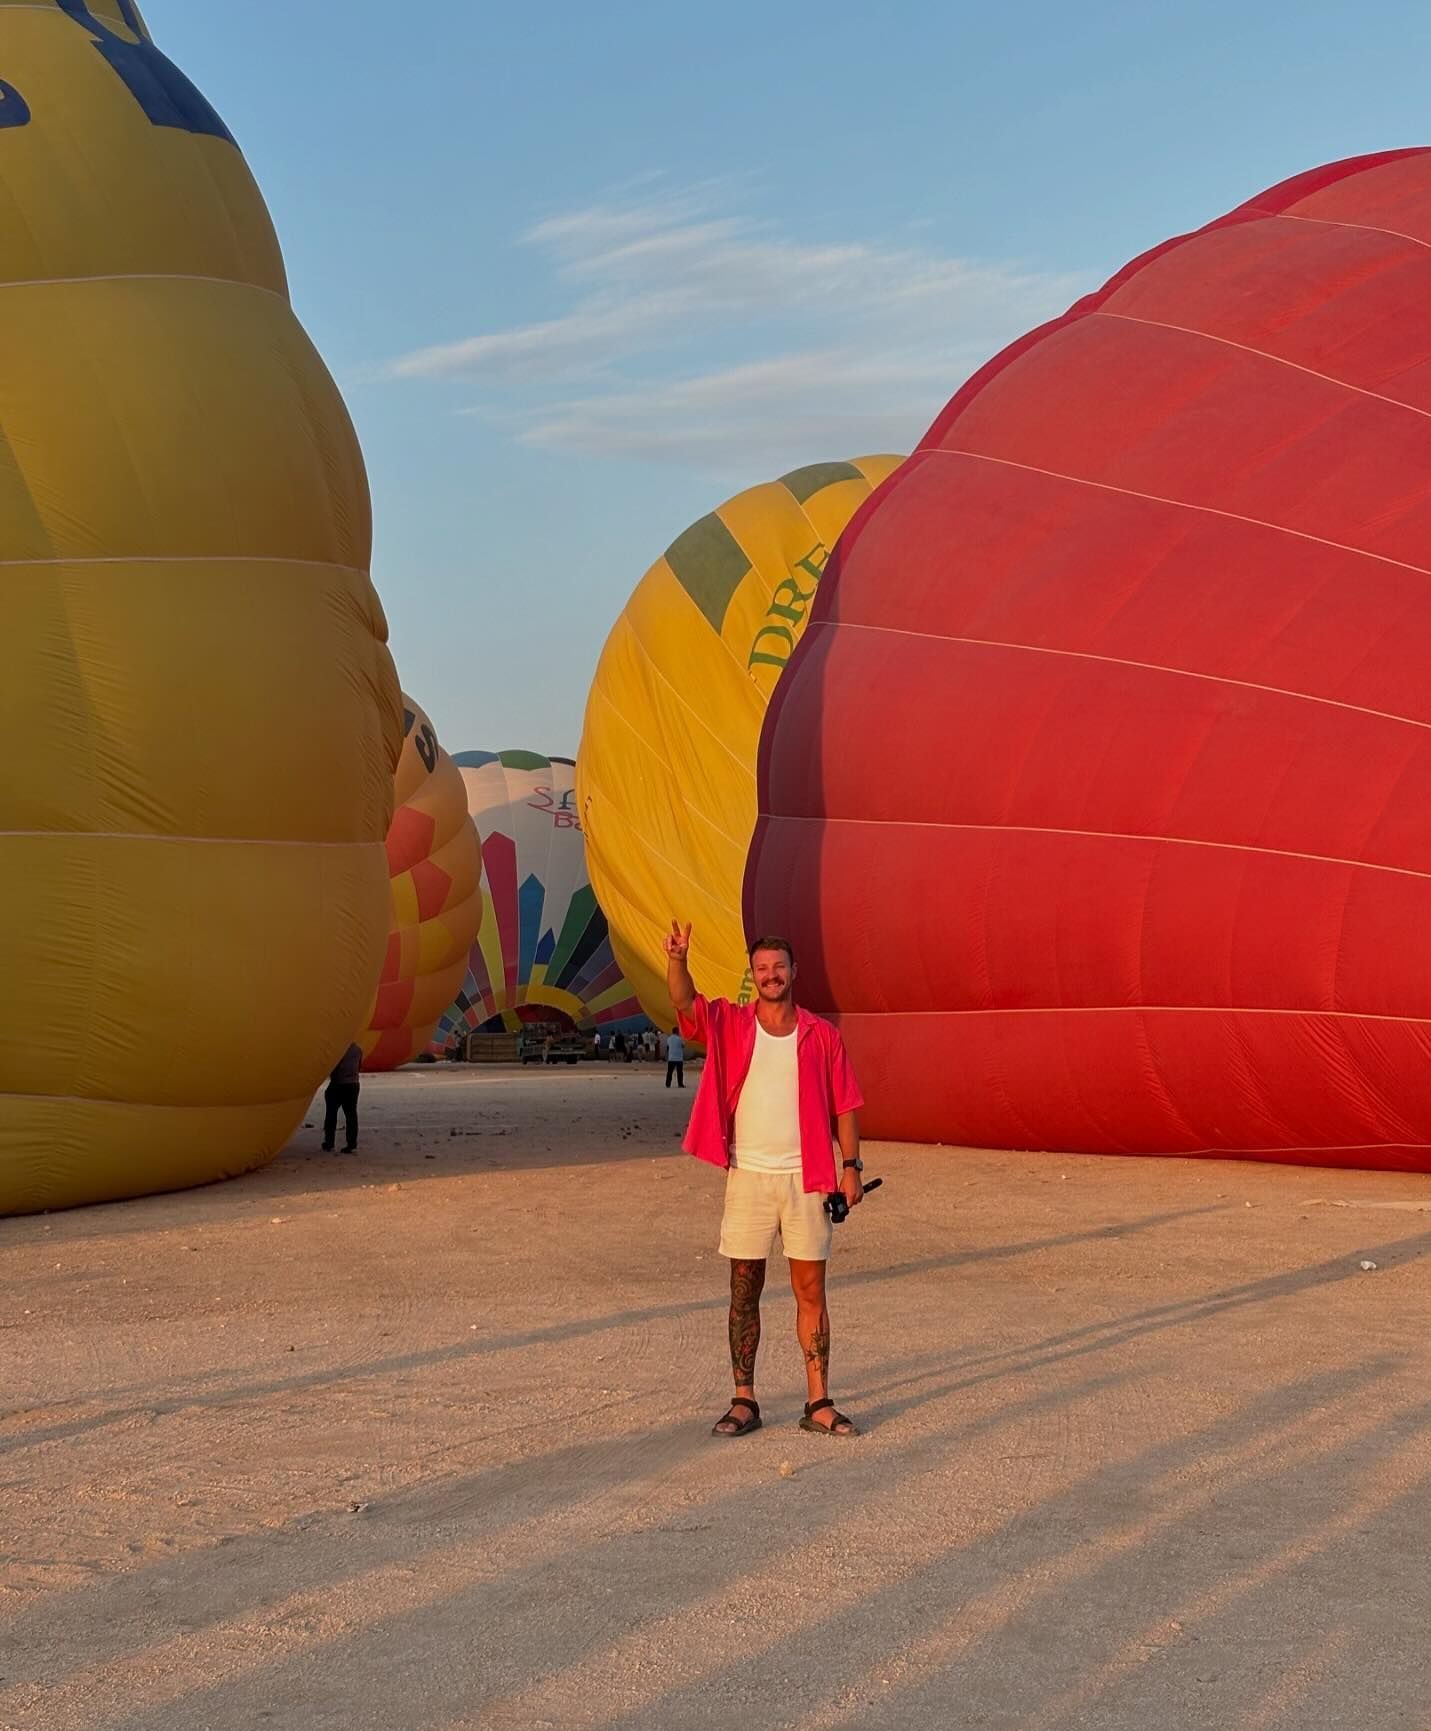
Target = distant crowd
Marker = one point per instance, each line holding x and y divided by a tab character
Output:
651	1046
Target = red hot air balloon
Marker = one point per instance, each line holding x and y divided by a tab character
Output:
1097	798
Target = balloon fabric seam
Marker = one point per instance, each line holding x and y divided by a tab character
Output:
651	750
1108	835
1262	355
238	282
186	558
156	1105
1149	1010
1163	499
164	835
685	703
685	877
1142	666
707	820
1352	227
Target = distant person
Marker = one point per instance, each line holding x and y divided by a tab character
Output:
596	1045
618	1046
676	1058
774	1080
342	1091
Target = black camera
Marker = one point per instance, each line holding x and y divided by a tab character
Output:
837	1207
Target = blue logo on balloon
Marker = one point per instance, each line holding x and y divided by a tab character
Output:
154	81
14	110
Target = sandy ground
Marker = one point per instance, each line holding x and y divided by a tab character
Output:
418	1441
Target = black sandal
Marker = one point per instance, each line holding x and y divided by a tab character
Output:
744	1426
836	1420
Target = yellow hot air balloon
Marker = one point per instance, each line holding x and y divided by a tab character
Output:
666	768
202	716
436	898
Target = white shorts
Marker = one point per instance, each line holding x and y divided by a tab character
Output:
763	1206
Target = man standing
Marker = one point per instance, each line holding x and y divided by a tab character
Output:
675	1058
342	1091
775	1077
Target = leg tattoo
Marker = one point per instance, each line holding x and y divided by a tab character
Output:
747	1281
812	1324
817	1351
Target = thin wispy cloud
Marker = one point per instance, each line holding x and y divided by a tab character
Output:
714	340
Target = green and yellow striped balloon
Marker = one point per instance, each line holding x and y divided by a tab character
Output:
666	770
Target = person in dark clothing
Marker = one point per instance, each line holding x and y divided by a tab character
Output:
342	1091
676	1058
618	1047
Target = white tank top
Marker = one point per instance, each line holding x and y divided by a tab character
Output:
767	1115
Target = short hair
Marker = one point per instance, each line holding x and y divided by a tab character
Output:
771	944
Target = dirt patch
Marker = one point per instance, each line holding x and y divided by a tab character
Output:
417	1441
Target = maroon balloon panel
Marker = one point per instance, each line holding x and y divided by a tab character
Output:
1097	798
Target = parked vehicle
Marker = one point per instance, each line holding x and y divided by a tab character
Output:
535	1046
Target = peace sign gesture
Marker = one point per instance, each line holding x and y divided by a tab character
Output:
678	945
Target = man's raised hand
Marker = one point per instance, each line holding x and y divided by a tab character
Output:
678	944
679	984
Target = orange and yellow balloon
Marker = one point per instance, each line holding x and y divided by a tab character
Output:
666	769
436	898
203	716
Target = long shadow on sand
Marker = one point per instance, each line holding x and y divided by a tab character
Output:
457	1351
1005	1601
1072	1613
1124	1535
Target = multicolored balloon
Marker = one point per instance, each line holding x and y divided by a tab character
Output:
666	769
1096	798
436	898
193	673
543	952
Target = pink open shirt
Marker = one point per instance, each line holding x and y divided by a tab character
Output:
827	1084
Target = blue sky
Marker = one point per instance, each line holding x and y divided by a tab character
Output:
583	270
